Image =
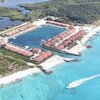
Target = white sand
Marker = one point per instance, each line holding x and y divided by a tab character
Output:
51	62
18	75
40	22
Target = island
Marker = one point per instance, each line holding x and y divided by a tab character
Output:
74	17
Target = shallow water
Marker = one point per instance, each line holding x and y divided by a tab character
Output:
52	87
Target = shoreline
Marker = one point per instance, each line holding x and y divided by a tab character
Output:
48	64
17	76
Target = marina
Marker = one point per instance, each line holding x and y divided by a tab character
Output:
55	83
49	49
41	59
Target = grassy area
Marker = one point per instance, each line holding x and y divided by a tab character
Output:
71	45
35	13
10	64
69	11
13	14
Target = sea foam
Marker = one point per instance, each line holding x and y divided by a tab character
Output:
79	82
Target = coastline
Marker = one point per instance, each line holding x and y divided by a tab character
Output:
17	76
49	63
21	74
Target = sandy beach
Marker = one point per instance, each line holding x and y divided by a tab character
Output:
17	76
51	62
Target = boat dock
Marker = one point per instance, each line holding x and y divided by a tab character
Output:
71	60
46	71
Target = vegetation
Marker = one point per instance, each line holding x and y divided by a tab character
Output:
9	64
77	11
71	45
69	11
13	14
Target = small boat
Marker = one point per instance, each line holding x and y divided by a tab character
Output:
26	47
79	82
48	72
71	60
88	46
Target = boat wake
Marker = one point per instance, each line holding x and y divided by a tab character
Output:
81	81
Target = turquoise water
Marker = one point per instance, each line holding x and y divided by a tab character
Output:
52	87
33	38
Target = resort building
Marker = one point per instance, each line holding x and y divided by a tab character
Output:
18	50
57	40
43	56
56	23
70	40
19	29
64	39
36	50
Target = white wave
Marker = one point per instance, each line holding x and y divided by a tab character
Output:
81	81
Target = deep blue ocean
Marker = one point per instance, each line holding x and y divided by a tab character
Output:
53	87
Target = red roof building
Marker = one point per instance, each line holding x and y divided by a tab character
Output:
19	28
36	50
18	50
56	23
43	56
60	47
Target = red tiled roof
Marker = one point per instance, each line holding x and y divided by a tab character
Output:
43	56
18	50
69	40
61	46
56	23
71	27
19	29
36	50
